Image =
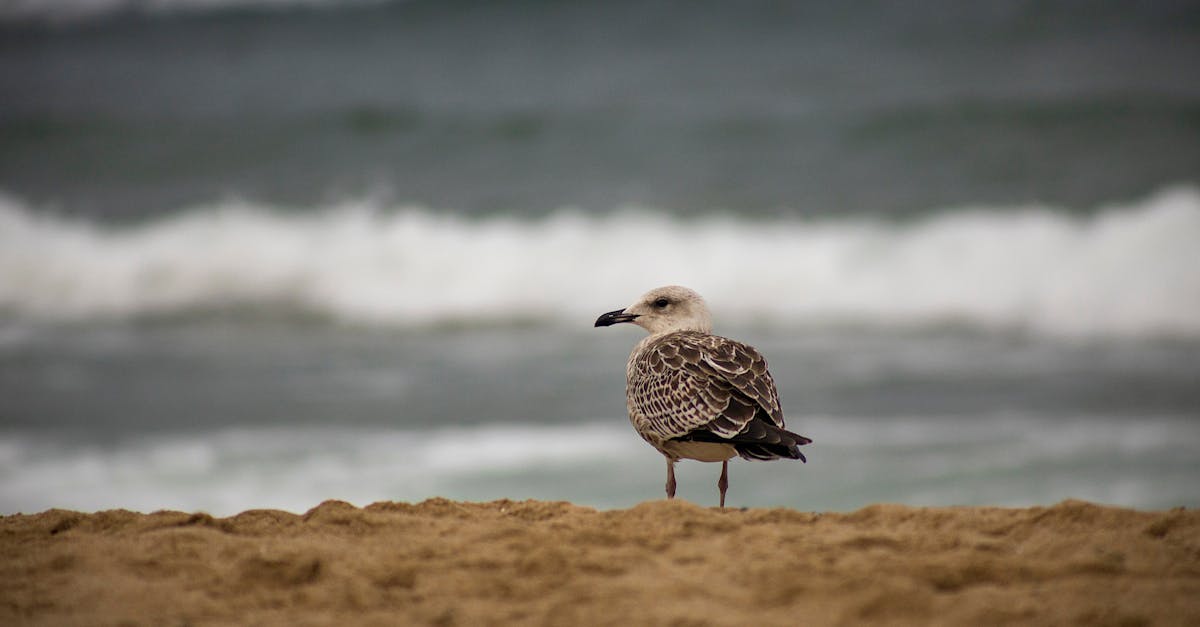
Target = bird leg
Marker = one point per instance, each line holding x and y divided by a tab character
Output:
723	482
670	478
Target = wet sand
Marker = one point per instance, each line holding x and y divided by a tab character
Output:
665	563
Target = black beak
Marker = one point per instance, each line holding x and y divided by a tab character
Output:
615	317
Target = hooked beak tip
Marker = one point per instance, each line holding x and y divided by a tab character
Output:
614	317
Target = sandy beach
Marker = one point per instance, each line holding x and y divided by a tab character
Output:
453	563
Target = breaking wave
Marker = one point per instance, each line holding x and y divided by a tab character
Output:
1130	270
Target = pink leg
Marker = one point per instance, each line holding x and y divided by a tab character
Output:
670	478
723	482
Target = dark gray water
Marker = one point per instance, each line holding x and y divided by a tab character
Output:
753	107
120	380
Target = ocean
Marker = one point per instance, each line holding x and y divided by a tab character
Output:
264	253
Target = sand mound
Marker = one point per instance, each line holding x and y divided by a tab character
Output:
446	563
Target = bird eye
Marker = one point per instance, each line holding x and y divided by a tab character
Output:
662	302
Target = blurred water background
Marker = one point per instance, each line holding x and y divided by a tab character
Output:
262	253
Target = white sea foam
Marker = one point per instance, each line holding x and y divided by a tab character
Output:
1001	459
229	470
1130	270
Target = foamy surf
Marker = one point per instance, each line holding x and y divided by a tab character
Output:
1004	459
1124	270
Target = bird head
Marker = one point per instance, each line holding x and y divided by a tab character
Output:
664	310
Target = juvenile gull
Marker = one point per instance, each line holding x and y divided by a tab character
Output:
695	395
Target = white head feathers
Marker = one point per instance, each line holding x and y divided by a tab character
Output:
664	310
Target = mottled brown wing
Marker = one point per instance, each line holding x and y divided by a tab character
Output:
688	381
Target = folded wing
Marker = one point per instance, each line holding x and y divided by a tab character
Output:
698	387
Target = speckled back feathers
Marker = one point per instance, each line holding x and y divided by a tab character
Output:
689	385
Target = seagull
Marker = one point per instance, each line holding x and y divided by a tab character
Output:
695	395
